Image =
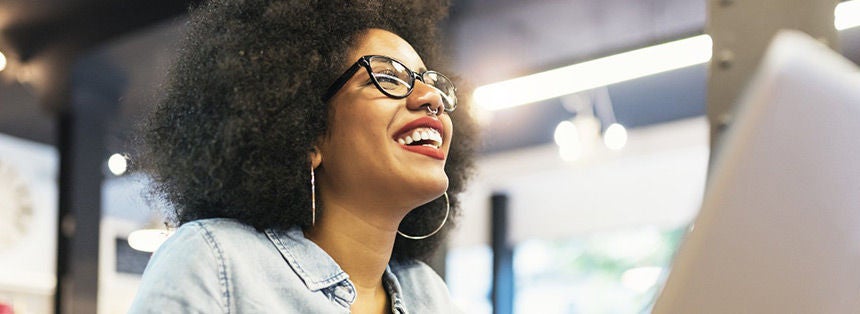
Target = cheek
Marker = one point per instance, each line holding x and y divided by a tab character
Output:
360	129
450	134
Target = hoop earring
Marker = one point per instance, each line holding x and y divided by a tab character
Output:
447	211
433	112
313	198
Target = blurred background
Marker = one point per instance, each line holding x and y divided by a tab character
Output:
587	178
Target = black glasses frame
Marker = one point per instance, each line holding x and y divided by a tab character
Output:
364	62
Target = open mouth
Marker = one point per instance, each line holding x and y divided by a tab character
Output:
422	136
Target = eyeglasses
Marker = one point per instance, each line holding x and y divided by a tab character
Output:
395	80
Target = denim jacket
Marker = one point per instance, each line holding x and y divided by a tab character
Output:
223	266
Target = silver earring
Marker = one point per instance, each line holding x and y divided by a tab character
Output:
447	211
313	198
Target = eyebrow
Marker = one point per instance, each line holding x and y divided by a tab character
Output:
419	70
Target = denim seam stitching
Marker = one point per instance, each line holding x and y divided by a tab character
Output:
332	278
290	257
222	267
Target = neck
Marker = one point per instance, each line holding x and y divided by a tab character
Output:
360	240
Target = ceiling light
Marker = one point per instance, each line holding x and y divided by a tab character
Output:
595	73
615	136
567	138
2	61
148	240
618	68
565	133
847	15
118	164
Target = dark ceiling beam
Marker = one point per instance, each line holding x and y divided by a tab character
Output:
37	25
43	38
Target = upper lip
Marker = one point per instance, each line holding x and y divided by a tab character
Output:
423	122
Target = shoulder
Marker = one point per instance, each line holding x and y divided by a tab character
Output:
222	229
215	227
191	271
206	238
199	242
185	274
422	287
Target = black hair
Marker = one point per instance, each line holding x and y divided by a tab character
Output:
242	109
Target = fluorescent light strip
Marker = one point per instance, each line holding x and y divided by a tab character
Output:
595	73
847	15
618	68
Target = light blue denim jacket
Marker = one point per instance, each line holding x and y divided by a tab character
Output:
223	266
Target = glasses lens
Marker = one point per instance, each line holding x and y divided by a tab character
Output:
393	77
445	87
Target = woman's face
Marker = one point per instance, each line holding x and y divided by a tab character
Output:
364	157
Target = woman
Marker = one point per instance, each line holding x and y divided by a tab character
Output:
311	159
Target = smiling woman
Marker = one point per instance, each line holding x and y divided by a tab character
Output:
302	180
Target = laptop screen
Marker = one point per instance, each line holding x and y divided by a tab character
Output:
779	227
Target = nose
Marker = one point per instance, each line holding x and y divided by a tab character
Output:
425	97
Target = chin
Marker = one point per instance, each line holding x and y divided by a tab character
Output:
430	189
438	181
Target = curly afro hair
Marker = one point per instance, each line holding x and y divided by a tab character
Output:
243	108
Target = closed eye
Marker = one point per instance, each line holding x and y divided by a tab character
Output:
389	79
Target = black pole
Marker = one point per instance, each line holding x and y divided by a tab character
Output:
79	215
95	88
503	266
64	142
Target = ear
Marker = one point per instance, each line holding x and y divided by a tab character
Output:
315	157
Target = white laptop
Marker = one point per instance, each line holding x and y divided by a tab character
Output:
779	227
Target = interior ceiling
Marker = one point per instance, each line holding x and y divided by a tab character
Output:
491	40
497	40
41	38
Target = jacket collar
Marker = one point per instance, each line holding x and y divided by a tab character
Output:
313	265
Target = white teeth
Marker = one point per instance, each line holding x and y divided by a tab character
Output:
419	134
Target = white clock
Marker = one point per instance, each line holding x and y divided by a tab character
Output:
16	206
